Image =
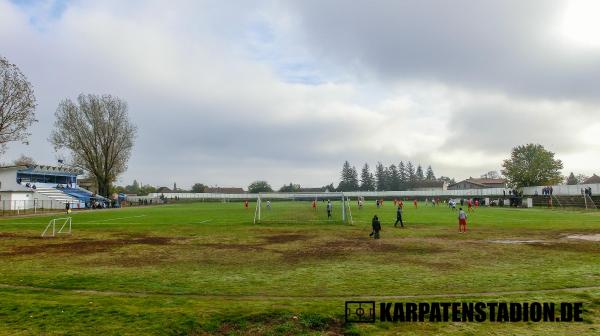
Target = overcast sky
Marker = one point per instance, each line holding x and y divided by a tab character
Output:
227	92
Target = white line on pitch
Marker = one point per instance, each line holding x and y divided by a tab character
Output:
112	219
204	221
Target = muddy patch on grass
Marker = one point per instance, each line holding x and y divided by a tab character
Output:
231	246
581	246
339	248
9	235
258	246
284	238
150	259
519	241
84	246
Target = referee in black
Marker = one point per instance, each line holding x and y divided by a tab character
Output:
399	217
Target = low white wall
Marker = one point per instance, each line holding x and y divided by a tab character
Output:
570	190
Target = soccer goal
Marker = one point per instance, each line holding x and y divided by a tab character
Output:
302	207
62	222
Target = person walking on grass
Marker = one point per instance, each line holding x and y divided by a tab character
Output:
399	217
376	226
462	221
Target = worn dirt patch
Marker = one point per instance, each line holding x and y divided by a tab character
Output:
284	238
582	246
8	235
86	246
339	248
518	241
590	237
238	247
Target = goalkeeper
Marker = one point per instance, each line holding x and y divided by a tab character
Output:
329	208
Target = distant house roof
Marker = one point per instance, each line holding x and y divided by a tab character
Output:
163	190
219	190
593	179
482	182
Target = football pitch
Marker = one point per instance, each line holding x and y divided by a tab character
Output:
205	268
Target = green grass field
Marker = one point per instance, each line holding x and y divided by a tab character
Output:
205	268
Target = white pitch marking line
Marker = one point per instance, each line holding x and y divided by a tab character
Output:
112	219
204	221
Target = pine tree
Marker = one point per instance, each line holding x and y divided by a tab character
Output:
410	171
393	178
419	173
380	176
429	175
572	180
402	176
349	178
353	184
367	181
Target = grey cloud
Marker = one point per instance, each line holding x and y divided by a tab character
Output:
494	45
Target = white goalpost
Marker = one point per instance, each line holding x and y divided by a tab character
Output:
63	222
302	207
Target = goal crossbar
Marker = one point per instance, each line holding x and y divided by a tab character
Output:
273	207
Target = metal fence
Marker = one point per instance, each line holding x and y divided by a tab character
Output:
31	207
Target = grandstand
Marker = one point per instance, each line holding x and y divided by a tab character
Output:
42	187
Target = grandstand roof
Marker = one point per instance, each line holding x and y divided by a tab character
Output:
46	169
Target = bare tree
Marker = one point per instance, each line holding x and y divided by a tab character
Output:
98	134
24	160
492	174
17	104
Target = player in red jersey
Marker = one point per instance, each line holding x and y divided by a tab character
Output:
415	203
246	204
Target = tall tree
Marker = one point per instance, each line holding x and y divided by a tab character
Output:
581	178
492	174
17	105
532	165
412	176
571	180
259	186
198	188
367	181
292	187
98	134
419	173
380	176
402	176
348	178
134	188
447	179
430	176
393	178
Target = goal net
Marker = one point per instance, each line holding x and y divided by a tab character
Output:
56	226
302	207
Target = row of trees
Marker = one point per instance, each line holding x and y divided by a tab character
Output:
400	177
573	179
94	131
